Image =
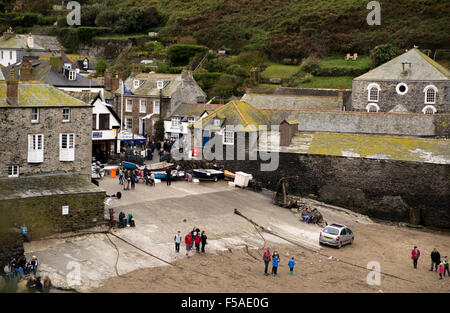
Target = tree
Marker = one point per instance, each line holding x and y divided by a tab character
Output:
159	130
383	53
100	68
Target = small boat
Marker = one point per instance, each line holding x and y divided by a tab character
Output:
229	175
208	174
174	175
129	165
161	166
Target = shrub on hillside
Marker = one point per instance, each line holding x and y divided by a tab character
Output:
383	53
310	64
100	67
180	54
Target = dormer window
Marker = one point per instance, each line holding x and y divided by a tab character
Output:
191	119
72	75
85	64
160	84
373	92
216	122
68	66
430	94
176	121
136	83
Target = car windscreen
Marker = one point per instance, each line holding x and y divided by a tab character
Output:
331	231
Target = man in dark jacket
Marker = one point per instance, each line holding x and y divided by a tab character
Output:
266	258
168	177
435	259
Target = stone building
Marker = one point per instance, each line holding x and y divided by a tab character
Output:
151	95
409	83
45	159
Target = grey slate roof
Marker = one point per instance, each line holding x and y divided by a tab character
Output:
422	68
194	109
270	101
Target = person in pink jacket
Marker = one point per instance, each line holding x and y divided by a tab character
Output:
415	254
441	270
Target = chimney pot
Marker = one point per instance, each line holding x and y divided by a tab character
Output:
12	89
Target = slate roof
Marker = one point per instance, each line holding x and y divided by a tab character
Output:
39	94
194	109
45	72
423	68
269	101
28	187
40	42
371	147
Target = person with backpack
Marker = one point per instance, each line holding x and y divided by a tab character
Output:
291	265
177	240
275	262
266	258
415	254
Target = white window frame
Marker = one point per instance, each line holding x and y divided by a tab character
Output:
424	110
156	106
13	170
160	84
68	118
176	121
191	119
72	75
35	148
216	122
142	104
369	89
372	105
35	120
129	105
397	89
426	89
67	147
228	137
136	83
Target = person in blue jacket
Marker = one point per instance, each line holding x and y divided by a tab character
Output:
291	265
275	262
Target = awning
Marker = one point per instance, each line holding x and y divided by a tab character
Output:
127	136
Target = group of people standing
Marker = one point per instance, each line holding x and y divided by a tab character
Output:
194	237
436	263
20	268
275	258
128	177
126	220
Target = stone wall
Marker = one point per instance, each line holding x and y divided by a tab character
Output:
43	215
392	190
373	123
413	101
11	246
15	126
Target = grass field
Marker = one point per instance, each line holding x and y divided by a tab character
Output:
329	82
363	62
275	70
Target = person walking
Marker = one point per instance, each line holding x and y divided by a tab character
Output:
291	265
435	259
120	176
415	254
168	177
188	242
197	240
266	258
177	240
441	270
445	263
133	177
204	237
275	262
126	177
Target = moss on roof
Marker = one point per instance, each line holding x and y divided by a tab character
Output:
372	147
39	94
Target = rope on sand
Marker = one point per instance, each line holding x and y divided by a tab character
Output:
118	254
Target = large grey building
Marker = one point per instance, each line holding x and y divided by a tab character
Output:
409	83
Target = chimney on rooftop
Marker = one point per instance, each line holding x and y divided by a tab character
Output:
12	88
27	71
30	41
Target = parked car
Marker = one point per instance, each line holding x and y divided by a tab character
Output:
336	235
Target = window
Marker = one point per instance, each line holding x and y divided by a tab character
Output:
176	122
129	105
191	119
142	107
94	121
36	148
429	109
129	123
373	92
136	83
430	94
372	107
228	137
160	84
72	75
10	55
103	120
13	171
67	147
401	89
216	122
156	106
66	115
34	115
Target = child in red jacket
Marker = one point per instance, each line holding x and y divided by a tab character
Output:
198	240
188	242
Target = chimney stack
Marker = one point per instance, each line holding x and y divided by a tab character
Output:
30	41
108	80
115	83
12	88
27	72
